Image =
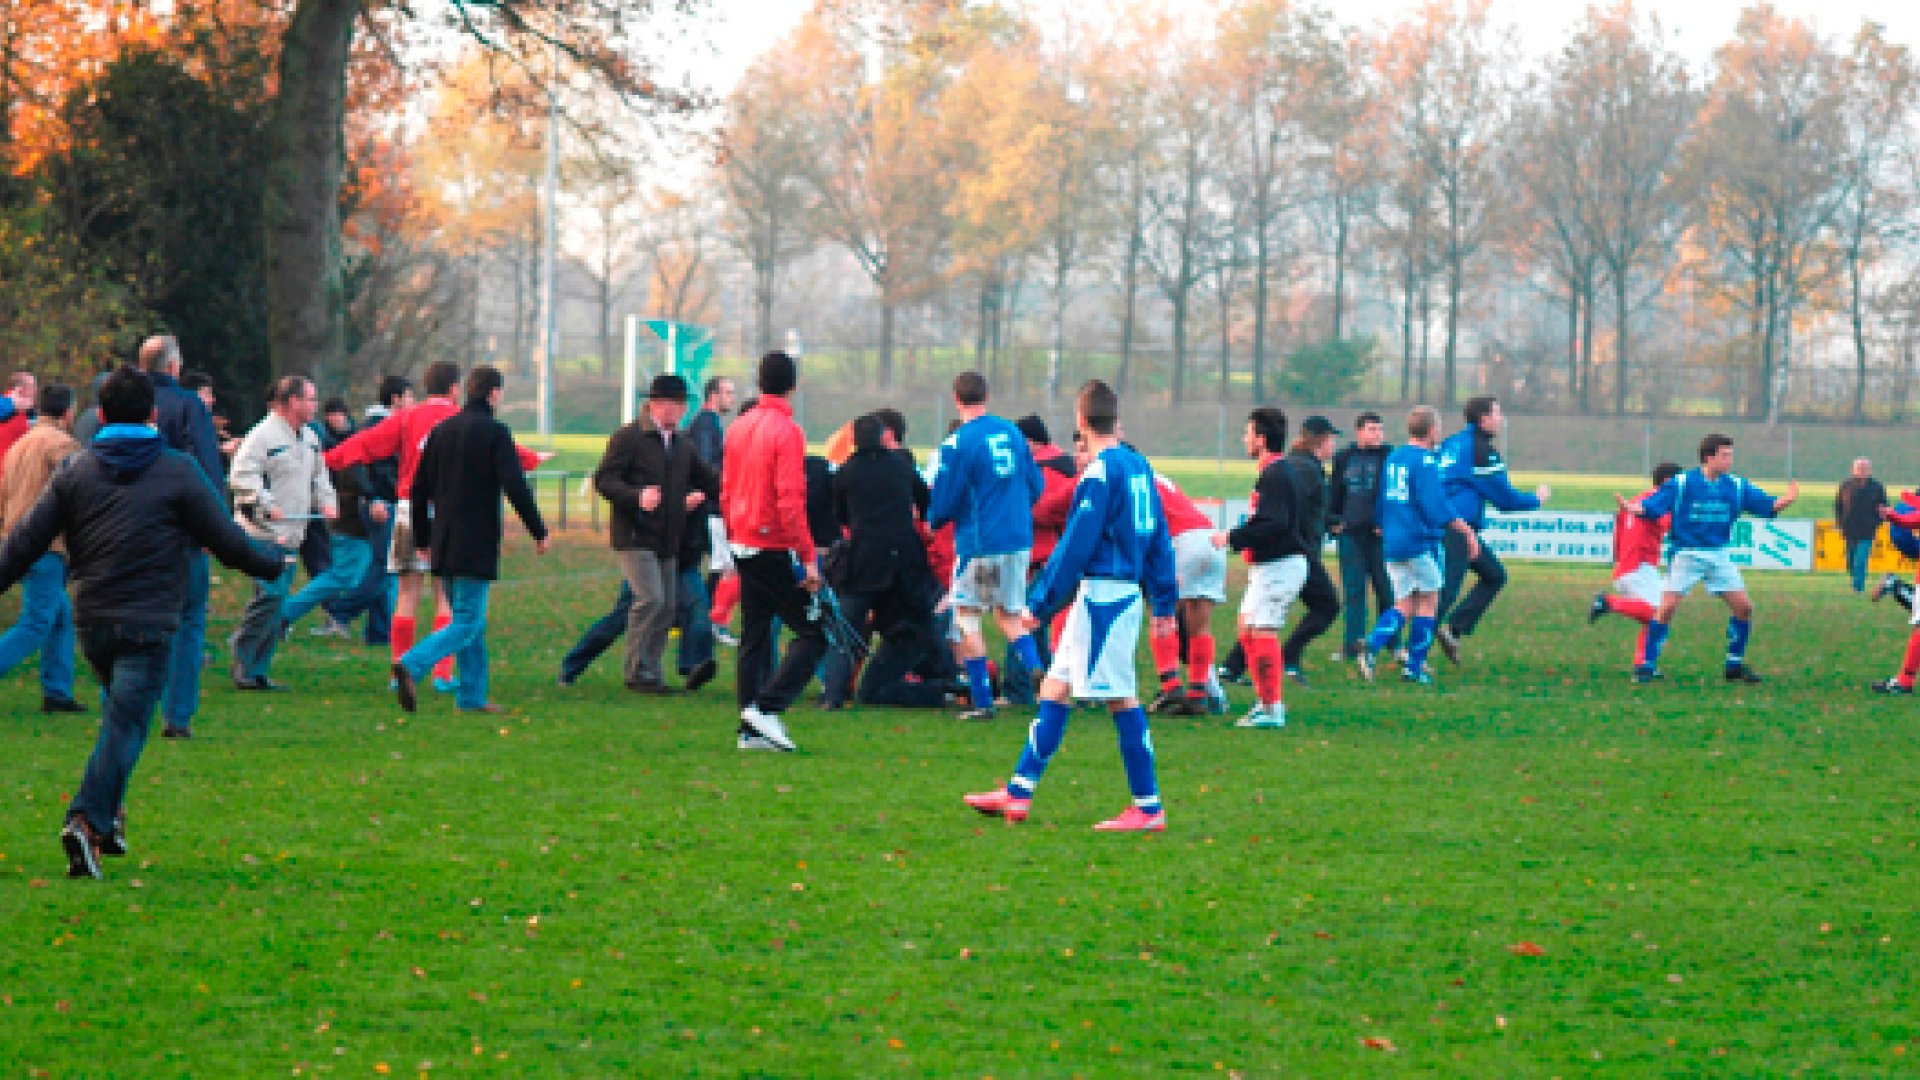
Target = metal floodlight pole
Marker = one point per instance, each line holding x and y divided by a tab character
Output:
630	377
549	299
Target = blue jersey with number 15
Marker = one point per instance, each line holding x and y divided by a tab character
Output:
986	487
1117	530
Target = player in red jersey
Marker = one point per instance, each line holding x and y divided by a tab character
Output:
1200	564
1637	581
1906	515
403	434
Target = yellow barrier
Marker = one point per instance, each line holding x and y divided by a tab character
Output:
1830	551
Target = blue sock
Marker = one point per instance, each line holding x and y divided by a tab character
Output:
1043	740
1029	653
1420	642
1656	639
1136	753
1385	630
1738	630
981	685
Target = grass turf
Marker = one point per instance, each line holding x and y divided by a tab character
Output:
1712	877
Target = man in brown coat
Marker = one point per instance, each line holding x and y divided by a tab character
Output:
46	616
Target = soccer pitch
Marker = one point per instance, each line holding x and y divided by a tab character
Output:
1535	869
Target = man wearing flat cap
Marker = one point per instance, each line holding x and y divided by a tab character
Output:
652	478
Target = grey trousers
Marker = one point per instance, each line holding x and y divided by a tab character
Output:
652	580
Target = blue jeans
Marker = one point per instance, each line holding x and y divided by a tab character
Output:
464	639
600	636
45	627
189	647
376	593
258	636
131	664
351	557
1858	555
696	630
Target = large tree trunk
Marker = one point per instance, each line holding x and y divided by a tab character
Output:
1406	334
1621	331
1588	303
1456	269
306	328
1856	304
884	376
1260	244
1339	269
1573	340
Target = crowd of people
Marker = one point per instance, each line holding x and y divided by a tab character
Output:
860	566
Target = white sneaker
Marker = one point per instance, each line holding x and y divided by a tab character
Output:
725	636
331	627
755	742
1254	718
1273	716
768	727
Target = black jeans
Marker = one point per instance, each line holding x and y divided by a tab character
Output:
1489	578
768	591
599	637
1323	607
1363	563
131	664
836	676
916	647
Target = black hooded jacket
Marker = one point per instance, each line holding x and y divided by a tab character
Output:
130	510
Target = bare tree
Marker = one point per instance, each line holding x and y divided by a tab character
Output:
1881	91
763	153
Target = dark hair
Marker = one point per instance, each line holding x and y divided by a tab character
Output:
1034	428
195	380
894	421
1478	408
126	397
1098	406
1711	445
869	432
333	405
970	388
1664	472
1421	420
1366	418
712	386
482	381
747	406
1270	424
441	377
288	387
56	400
392	387
778	374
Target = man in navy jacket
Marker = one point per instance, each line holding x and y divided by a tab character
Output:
1474	475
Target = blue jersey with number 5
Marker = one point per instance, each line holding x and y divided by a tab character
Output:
986	487
1116	530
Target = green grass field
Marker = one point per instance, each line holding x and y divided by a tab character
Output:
1535	870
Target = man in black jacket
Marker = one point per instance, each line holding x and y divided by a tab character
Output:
1271	539
652	480
1308	460
468	464
129	510
1856	507
881	576
1353	493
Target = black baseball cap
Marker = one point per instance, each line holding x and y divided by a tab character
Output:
1317	426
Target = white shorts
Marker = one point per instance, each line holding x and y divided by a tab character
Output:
1096	651
1710	567
1272	587
720	559
1201	567
993	583
1421	574
1644	583
402	556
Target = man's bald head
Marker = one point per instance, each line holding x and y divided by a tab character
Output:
161	354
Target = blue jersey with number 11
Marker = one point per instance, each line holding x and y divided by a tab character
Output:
986	486
1117	531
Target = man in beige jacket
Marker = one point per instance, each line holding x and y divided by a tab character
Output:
46	616
280	485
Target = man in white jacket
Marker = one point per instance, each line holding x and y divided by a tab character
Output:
279	485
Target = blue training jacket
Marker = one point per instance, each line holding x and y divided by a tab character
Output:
1116	530
1475	474
1413	510
986	487
1704	510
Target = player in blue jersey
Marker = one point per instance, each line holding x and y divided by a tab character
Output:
1115	543
1414	516
986	487
1705	502
1474	475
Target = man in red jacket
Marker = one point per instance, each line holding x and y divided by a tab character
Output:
763	499
403	434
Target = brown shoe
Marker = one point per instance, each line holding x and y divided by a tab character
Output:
403	687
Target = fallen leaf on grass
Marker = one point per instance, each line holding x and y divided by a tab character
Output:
1375	1042
1526	948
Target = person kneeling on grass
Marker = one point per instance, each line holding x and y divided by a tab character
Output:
129	510
1115	541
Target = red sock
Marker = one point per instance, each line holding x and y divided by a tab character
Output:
1910	667
726	593
444	669
1199	659
1166	658
1266	665
400	636
1640	649
1638	610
